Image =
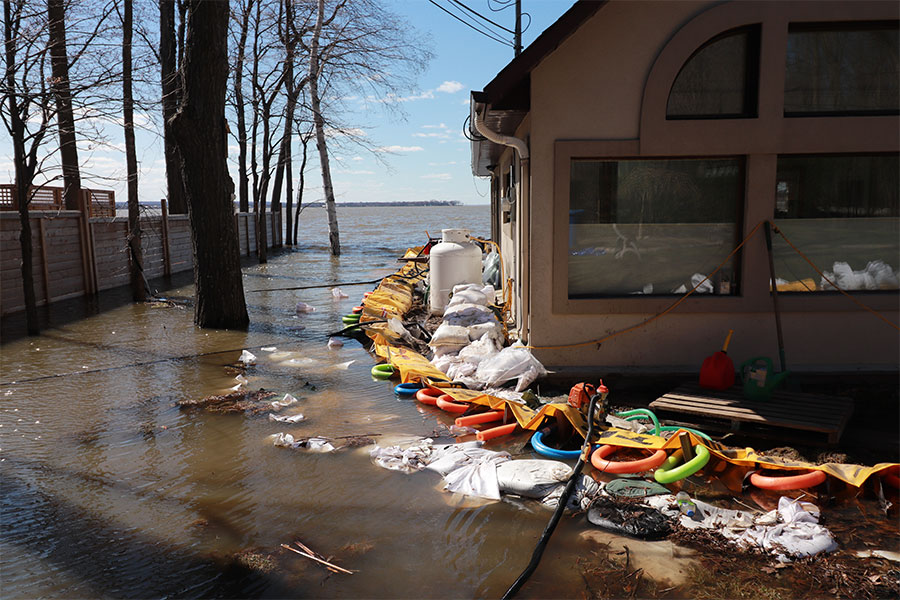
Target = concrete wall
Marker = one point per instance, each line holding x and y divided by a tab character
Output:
587	99
70	260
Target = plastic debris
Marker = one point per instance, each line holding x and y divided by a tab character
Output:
314	444
685	504
248	358
335	343
286	401
635	488
286	418
303	308
338	294
636	520
269	349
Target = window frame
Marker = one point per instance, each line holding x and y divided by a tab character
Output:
759	140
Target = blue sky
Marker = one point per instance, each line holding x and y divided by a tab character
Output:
427	156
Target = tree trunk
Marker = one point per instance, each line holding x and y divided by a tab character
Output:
170	98
24	167
302	176
199	127
288	196
135	254
334	236
243	183
59	61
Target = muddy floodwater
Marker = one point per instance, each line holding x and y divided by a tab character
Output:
110	488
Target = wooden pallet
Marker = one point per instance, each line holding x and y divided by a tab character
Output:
785	410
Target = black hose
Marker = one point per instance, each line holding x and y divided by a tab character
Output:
560	509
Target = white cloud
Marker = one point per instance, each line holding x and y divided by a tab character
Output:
439	176
357	158
437	164
440	126
400	149
350	172
465	102
430	135
450	87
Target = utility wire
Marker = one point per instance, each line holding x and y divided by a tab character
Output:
468	24
481	16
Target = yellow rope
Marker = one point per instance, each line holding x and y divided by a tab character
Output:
833	284
672	307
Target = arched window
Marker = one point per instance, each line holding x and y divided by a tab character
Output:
720	80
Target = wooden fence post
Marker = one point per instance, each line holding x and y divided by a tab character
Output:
164	223
85	243
247	231
44	259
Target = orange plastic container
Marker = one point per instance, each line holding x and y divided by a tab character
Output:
717	371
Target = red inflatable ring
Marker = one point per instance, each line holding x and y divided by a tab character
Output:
429	395
446	403
598	459
791	482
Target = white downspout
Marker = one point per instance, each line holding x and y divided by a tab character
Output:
524	201
498	138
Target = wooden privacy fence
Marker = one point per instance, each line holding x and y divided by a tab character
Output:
99	203
76	254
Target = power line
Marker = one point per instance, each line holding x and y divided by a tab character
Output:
480	16
468	24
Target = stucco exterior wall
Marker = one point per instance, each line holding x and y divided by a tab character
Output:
591	88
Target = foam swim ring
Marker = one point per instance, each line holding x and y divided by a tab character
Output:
445	402
537	442
789	482
407	389
485	417
383	371
598	459
429	395
672	470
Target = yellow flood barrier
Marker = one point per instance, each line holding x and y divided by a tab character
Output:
394	298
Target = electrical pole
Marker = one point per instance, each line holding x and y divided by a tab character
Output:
517	41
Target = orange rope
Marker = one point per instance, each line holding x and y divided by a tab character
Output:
833	284
661	314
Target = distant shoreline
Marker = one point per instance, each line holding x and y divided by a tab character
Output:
320	204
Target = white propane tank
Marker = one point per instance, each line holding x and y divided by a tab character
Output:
454	261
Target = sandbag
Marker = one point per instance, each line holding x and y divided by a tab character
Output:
449	335
531	478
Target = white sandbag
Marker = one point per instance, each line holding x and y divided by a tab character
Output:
491	329
531	478
480	350
586	489
848	279
471	293
459	369
248	358
512	362
449	335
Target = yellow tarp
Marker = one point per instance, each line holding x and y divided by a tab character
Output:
394	297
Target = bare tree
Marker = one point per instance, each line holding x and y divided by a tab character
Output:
200	129
171	92
59	61
352	50
305	136
135	253
242	17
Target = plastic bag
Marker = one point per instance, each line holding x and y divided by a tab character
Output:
303	307
338	294
491	269
513	362
248	358
628	518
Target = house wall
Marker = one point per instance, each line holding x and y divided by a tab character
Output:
588	96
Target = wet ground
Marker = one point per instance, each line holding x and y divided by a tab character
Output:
110	487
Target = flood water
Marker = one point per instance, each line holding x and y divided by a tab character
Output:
111	489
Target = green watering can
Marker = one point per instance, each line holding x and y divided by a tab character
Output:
760	379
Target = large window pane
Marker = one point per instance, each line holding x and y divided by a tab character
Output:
842	71
719	80
652	226
843	213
